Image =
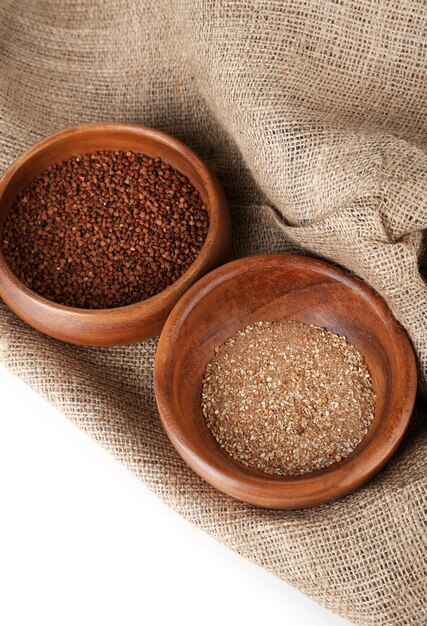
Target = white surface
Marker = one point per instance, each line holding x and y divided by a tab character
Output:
83	543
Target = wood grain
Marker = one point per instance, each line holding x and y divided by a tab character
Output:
138	321
281	287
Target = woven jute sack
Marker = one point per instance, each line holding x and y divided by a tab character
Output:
313	116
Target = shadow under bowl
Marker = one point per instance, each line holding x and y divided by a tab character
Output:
273	288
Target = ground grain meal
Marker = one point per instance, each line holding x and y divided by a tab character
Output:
105	229
287	397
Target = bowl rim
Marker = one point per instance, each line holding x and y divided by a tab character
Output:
213	192
263	490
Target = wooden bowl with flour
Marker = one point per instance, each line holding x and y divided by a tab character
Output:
274	287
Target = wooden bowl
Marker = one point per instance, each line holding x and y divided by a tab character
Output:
271	288
106	327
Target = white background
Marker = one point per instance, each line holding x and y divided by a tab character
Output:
84	543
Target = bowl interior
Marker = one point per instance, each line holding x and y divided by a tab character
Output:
91	138
273	288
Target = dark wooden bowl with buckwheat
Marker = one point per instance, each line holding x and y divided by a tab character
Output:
106	325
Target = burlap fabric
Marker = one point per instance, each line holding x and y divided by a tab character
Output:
313	116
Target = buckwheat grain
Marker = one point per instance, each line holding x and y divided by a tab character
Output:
105	229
